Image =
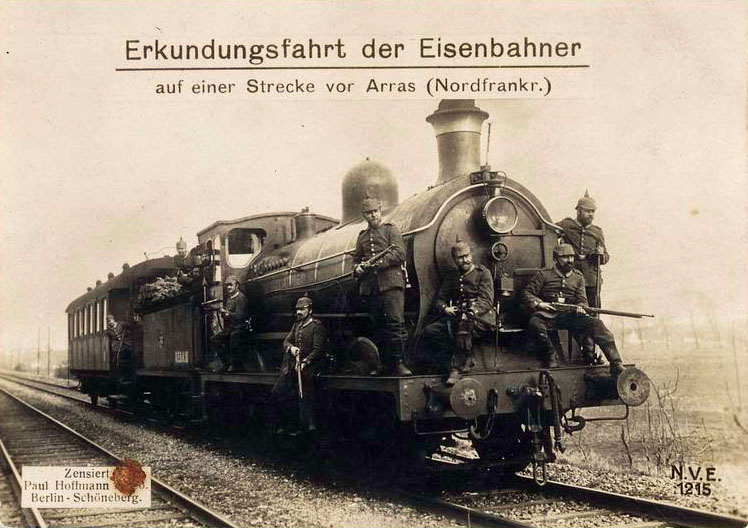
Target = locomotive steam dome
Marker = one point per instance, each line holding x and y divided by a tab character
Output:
368	178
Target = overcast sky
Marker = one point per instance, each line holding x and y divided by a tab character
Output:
95	170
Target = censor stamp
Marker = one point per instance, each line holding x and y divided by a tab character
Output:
124	486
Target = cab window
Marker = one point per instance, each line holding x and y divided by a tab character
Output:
242	245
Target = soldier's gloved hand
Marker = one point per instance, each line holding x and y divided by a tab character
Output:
548	307
451	311
304	363
294	351
360	269
579	310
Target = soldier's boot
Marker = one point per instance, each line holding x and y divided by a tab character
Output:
468	364
454	377
402	370
614	358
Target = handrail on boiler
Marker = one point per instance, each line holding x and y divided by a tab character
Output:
412	231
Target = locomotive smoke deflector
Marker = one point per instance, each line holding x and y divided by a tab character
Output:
457	125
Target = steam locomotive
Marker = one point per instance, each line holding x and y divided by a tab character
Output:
513	411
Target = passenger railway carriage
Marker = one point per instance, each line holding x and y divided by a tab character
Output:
513	410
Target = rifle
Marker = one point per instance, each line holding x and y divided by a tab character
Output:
371	261
298	375
562	307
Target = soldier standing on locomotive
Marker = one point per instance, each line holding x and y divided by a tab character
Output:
232	339
564	284
465	305
381	285
121	351
304	348
589	244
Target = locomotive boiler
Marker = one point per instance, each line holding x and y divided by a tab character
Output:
513	410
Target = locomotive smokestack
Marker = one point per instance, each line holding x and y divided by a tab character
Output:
457	124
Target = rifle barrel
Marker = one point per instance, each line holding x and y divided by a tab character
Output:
618	313
604	311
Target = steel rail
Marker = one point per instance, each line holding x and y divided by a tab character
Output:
681	516
463	514
32	515
194	508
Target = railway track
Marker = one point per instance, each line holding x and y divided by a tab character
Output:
30	437
519	503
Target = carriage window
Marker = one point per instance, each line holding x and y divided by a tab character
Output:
71	328
242	245
104	309
88	319
96	317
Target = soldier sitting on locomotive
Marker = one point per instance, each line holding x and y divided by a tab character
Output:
377	260
187	264
564	284
465	304
304	350
232	339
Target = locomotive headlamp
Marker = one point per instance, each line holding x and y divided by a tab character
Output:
500	214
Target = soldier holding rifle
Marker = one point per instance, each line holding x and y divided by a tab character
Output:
304	348
589	245
465	305
565	285
381	285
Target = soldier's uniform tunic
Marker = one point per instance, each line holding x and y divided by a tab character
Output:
382	288
234	333
469	291
310	337
585	240
121	351
554	286
187	268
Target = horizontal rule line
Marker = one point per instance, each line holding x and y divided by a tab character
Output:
276	68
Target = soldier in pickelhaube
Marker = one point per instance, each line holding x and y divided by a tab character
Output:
304	345
381	285
465	304
589	245
186	264
590	253
564	284
232	340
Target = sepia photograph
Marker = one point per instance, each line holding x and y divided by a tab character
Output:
402	264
